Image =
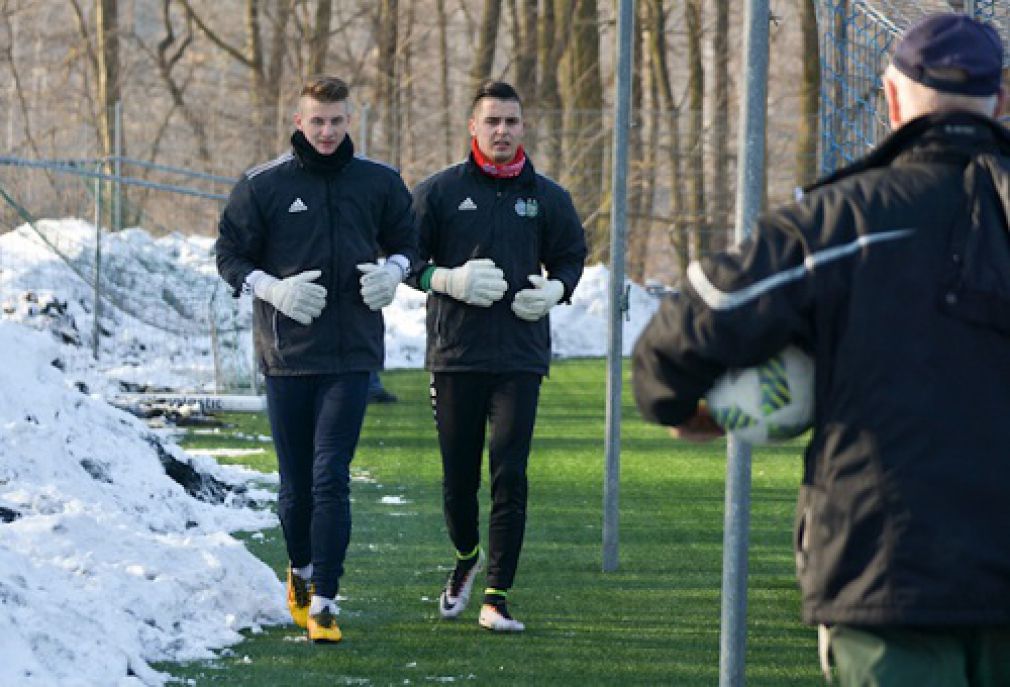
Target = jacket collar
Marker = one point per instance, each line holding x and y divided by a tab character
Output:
953	136
311	159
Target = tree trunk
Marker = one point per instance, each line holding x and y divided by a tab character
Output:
272	82
483	61
639	228
386	79
661	74
552	42
449	135
406	80
810	92
320	37
721	191
108	77
526	55
696	130
582	95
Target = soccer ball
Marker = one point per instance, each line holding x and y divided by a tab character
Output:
769	402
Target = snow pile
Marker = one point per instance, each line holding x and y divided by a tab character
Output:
174	280
160	297
106	564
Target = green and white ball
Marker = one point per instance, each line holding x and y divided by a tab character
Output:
769	402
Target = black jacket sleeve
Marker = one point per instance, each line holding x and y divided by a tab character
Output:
241	234
424	222
737	309
564	245
397	234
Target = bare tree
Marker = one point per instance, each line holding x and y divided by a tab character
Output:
661	74
526	52
696	129
552	42
446	90
17	85
386	92
107	34
487	38
407	84
639	170
167	55
810	89
582	97
721	189
320	37
265	66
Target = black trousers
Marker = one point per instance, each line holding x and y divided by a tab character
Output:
316	421
465	405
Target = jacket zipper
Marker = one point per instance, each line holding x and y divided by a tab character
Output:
496	218
277	336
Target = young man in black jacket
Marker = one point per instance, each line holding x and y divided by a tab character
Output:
303	233
488	227
895	274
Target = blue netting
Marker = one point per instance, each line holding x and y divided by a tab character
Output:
856	38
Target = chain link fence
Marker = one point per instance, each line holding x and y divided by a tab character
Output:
856	39
138	279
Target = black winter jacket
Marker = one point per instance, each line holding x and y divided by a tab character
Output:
298	213
521	224
895	273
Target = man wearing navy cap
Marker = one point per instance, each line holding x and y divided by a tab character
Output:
894	273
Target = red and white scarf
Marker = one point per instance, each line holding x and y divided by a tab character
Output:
508	170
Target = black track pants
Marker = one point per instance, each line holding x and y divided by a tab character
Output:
316	421
465	404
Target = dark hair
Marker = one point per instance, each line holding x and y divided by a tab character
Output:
326	89
498	90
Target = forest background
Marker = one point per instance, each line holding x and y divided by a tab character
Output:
210	86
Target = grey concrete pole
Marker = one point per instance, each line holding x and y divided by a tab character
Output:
617	300
750	193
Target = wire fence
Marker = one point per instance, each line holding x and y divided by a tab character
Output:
856	40
164	198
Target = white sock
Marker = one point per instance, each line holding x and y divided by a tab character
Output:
321	602
304	573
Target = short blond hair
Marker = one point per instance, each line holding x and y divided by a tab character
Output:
326	89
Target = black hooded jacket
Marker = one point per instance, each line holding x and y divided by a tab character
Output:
895	274
305	211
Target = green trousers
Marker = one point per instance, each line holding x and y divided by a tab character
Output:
921	657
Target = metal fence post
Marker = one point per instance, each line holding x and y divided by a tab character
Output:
750	193
618	303
117	167
96	334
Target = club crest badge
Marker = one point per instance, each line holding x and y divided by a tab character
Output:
527	207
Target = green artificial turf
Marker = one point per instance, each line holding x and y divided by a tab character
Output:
655	621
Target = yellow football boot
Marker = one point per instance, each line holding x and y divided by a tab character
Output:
299	594
323	627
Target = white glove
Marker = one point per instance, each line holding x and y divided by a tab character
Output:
477	282
296	296
379	282
532	304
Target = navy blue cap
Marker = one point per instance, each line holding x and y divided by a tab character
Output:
952	53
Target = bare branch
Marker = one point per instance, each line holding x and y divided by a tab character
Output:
214	37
